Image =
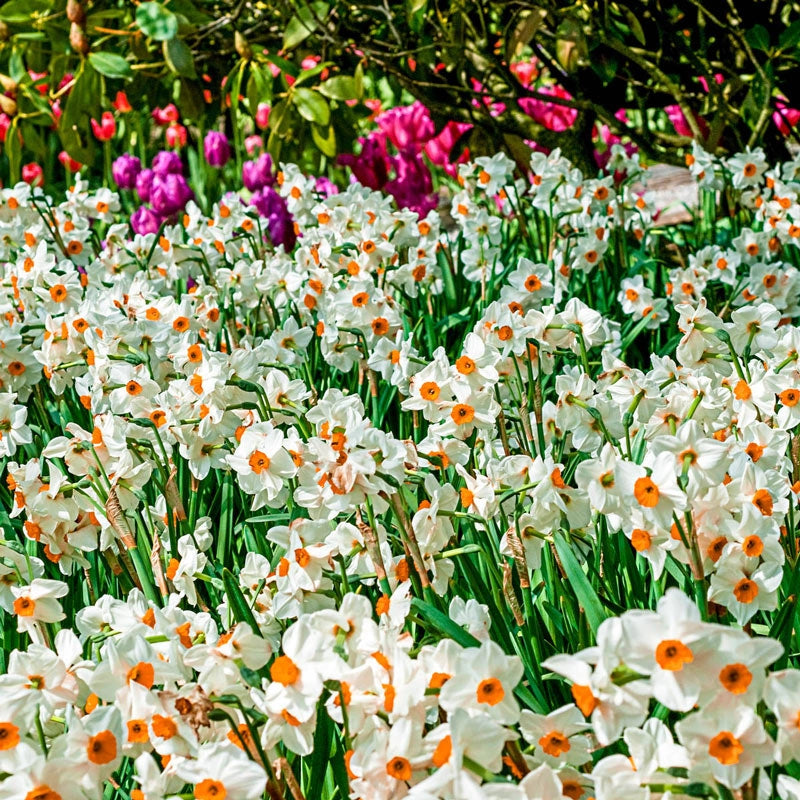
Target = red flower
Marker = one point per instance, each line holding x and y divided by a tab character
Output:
69	162
106	128
33	174
121	103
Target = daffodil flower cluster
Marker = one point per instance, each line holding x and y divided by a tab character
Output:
495	503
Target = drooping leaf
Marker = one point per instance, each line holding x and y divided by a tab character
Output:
179	57
324	139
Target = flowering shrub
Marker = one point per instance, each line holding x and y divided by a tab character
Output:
498	504
79	78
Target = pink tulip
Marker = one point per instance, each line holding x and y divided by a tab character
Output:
175	135
33	174
253	143
262	115
166	115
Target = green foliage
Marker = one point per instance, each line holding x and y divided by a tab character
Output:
454	57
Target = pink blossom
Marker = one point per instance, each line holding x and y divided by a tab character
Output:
440	147
33	174
374	105
262	115
526	72
175	135
681	124
166	115
36	77
253	143
407	127
718	78
69	162
495	109
553	117
785	118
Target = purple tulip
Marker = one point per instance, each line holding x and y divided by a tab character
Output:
216	148
280	223
167	162
169	194
371	165
413	186
144	220
125	171
144	184
258	174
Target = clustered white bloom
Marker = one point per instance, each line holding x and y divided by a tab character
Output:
139	376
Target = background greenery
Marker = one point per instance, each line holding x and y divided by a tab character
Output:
63	62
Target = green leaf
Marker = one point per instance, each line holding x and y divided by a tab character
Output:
156	22
324	139
190	100
279	118
82	104
238	605
259	87
227	510
579	583
443	623
33	139
303	24
635	26
322	747
312	106
758	37
111	65
13	148
285	66
22	12
527	24
307	74
179	57
358	77
790	37
342	87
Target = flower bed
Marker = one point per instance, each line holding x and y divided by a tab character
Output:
314	497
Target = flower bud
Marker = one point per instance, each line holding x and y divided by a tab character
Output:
216	149
78	40
242	46
258	174
76	12
125	170
33	174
